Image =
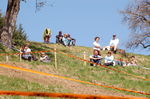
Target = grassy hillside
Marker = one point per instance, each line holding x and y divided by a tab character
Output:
73	68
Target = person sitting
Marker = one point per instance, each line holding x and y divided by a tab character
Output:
72	41
65	40
44	58
46	35
132	61
114	44
95	58
26	53
59	38
109	59
96	44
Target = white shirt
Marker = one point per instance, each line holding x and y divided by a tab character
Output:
96	45
28	50
114	42
109	59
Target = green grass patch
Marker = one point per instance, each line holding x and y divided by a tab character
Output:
16	84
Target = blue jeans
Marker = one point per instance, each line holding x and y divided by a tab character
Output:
109	64
120	63
97	61
27	57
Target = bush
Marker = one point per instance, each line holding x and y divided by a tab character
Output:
19	36
2	49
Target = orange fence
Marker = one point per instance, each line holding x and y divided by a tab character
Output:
61	77
63	95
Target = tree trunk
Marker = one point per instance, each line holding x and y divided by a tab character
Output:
10	22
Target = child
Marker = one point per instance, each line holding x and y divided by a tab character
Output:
96	57
109	59
44	58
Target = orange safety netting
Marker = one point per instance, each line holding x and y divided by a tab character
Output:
63	95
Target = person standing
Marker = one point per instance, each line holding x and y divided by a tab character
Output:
114	44
46	35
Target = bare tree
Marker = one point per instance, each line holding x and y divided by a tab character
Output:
12	11
137	16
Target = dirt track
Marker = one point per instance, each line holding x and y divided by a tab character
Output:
74	87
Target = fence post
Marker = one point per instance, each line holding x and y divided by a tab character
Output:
20	54
84	56
55	53
7	58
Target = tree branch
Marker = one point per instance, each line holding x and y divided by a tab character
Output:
131	13
144	46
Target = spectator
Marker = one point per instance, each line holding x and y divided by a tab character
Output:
109	59
95	58
72	41
26	53
114	44
96	44
44	58
132	61
59	38
46	35
65	40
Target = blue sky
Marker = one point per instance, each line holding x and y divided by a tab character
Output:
83	19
